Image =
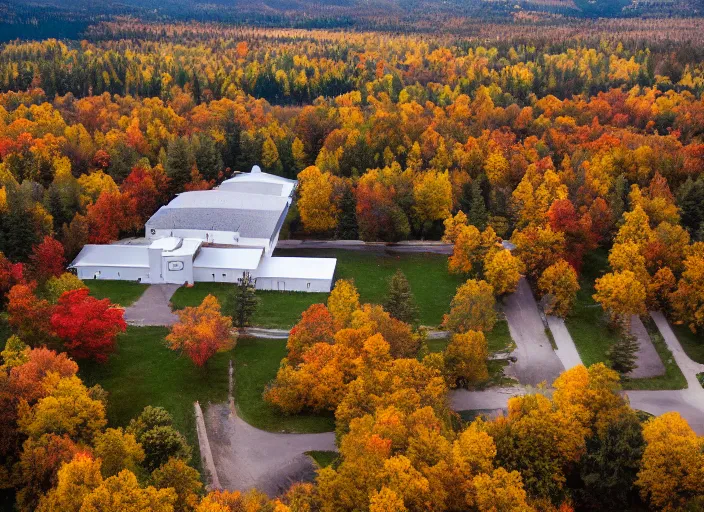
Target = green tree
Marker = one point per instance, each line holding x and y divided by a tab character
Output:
347	220
179	162
623	353
400	302
245	301
208	159
478	214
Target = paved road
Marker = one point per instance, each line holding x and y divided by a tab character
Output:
536	360
282	334
153	308
247	458
648	360
488	399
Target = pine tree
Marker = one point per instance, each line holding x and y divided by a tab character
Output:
245	301
179	163
399	302
623	353
478	215
208	157
347	224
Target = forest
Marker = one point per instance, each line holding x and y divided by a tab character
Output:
565	141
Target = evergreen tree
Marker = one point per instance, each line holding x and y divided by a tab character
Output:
179	163
623	353
207	157
245	301
55	207
610	465
196	89
690	198
478	215
399	302
17	232
347	224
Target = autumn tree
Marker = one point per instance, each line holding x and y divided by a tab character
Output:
465	359
47	259
671	470
688	299
123	492
558	286
400	302
202	331
117	450
315	326
620	294
87	326
29	316
176	474
503	270
315	205
472	308
538	248
343	301
500	490
74	481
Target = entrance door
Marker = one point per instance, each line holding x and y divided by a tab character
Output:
282	286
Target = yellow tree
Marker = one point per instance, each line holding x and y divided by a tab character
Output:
315	205
500	491
558	285
453	227
342	302
122	493
471	246
497	169
472	308
538	248
672	468
688	299
202	331
118	450
465	359
503	271
432	194
635	227
620	294
75	480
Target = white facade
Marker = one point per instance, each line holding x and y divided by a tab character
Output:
214	236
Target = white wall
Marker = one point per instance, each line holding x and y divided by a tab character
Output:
114	273
215	275
293	285
177	269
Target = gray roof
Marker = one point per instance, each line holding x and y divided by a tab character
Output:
249	223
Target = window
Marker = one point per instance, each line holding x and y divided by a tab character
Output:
309	286
224	275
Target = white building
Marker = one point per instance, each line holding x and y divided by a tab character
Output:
214	235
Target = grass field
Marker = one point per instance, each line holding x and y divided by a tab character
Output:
144	372
692	343
498	339
432	286
323	458
124	293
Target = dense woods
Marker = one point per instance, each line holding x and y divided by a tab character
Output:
564	139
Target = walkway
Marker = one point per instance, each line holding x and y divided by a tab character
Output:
566	349
648	360
153	307
536	361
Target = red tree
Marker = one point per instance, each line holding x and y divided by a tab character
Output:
86	325
111	214
29	315
316	326
47	259
578	234
147	188
10	275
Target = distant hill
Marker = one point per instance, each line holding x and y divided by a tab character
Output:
68	18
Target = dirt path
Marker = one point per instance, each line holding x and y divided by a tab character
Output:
153	308
536	361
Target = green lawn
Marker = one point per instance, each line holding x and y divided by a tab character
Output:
323	458
144	372
692	343
432	285
256	363
498	340
124	293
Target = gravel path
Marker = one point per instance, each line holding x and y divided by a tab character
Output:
247	458
648	360
536	361
153	307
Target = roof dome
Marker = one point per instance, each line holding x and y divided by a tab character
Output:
256	169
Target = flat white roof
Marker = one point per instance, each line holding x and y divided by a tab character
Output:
168	243
187	247
222	257
297	268
133	256
227	199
